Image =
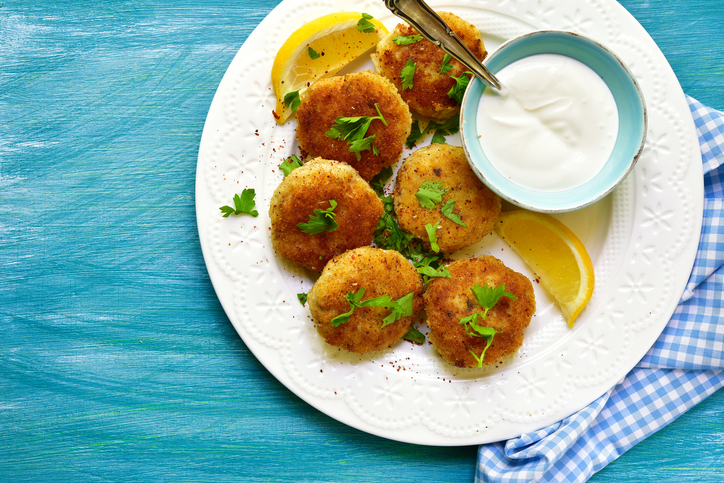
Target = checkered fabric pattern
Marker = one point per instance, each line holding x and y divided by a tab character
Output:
684	366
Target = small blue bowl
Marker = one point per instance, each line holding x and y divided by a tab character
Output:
631	114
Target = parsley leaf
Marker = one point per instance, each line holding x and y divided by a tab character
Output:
364	25
242	204
431	229
302	297
449	127
458	90
363	144
430	193
407	39
489	340
445	67
429	266
447	212
290	164
438	137
415	135
313	54
378	182
407	74
292	99
321	220
414	335
488	296
353	130
401	307
388	233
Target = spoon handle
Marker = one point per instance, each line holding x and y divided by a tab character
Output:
420	16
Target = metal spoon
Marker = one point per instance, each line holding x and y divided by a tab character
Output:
420	16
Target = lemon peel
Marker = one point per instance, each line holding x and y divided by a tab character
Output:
338	42
555	254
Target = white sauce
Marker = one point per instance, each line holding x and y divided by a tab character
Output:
553	127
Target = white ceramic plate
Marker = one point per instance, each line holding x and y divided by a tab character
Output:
642	240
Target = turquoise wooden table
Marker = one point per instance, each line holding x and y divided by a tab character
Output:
117	362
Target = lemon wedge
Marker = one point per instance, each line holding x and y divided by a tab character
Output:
555	254
336	40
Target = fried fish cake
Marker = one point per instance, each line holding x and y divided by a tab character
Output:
354	95
447	300
476	205
428	96
311	187
380	272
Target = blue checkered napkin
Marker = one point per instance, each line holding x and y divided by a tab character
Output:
684	366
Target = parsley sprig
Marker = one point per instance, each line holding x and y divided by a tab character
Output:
313	54
353	130
486	297
401	307
431	229
430	193
243	204
407	39
292	100
290	164
364	25
390	236
446	66
461	83
407	74
449	127
447	212
321	220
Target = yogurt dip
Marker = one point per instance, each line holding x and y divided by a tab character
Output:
552	127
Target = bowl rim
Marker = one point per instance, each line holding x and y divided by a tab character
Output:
476	85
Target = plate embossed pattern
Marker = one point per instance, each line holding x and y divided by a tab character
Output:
642	239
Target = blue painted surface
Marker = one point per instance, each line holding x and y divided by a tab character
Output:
117	362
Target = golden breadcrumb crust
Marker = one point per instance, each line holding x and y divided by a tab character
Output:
379	272
478	207
447	300
312	186
354	95
428	95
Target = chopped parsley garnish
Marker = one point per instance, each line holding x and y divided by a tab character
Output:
302	297
321	220
365	26
407	74
414	335
388	234
430	193
401	307
378	182
290	164
415	135
445	67
449	127
243	204
313	54
447	212
487	297
407	39
461	83
429	266
292	100
353	130
431	229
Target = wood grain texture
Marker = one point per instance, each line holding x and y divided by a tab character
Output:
117	362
